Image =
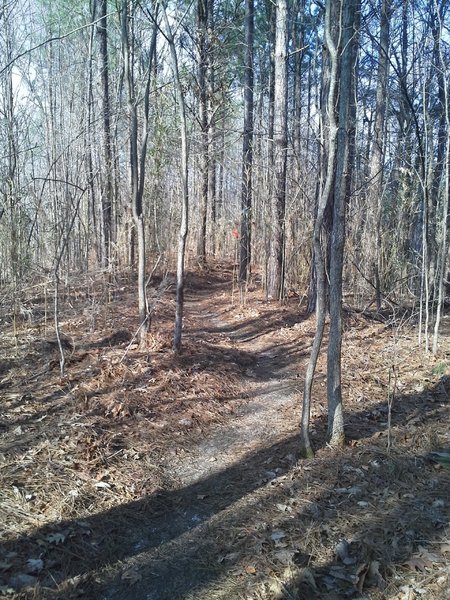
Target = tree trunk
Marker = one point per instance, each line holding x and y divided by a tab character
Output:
319	259
92	216
377	154
212	130
107	191
343	177
299	42
179	310
442	175
278	199
202	27
247	148
138	162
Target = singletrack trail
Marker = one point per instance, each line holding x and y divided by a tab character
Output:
178	553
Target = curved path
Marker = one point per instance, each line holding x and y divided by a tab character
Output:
183	549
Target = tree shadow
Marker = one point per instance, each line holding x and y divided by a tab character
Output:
248	330
184	543
408	410
77	547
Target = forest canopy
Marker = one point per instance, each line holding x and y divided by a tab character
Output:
91	123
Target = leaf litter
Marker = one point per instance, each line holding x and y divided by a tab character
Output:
124	424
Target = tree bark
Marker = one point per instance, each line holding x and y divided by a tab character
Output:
278	201
107	191
202	28
179	310
343	177
378	143
247	148
319	259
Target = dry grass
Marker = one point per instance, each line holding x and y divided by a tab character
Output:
88	456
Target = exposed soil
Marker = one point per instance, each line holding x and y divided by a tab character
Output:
144	475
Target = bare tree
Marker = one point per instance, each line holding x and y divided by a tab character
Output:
247	148
278	199
341	44
138	154
185	188
319	258
442	174
202	49
342	190
378	143
107	171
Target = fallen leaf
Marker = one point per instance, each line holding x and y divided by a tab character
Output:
278	535
250	570
5	590
443	458
438	504
55	538
416	563
375	576
284	556
407	593
231	556
341	573
341	551
35	565
102	484
361	573
427	555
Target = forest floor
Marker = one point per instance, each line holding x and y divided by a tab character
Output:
141	475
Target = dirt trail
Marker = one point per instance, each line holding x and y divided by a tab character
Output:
271	386
149	476
175	555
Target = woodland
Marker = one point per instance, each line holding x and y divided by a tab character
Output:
224	299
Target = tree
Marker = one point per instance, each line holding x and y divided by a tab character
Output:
138	154
319	259
278	199
345	141
247	148
378	143
100	13
441	182
185	188
202	45
341	44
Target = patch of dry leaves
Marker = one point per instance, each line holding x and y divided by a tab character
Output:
100	436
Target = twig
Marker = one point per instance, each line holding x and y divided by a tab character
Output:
133	339
150	277
390	400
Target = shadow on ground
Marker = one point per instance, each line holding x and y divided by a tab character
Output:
185	543
236	531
